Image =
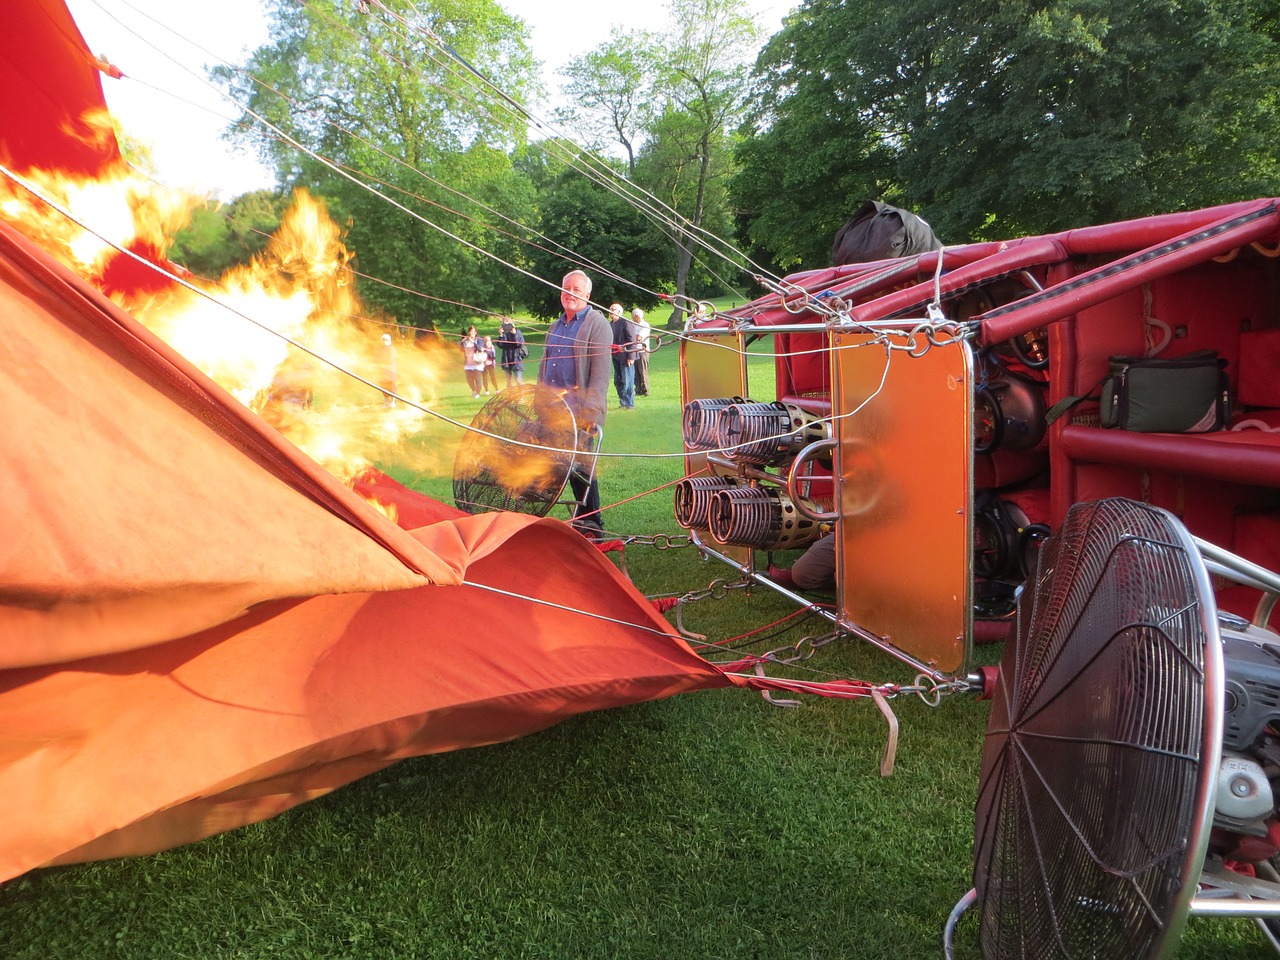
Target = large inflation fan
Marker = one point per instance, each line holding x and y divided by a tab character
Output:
1103	744
517	454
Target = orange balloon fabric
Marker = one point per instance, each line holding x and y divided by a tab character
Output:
200	627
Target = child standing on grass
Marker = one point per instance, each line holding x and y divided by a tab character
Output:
490	366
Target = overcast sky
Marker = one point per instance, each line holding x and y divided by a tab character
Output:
167	103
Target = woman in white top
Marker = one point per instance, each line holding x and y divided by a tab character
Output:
474	353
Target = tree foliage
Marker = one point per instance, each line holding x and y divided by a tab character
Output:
687	159
386	105
611	93
1001	117
594	227
224	235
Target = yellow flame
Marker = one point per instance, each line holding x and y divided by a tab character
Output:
238	329
118	209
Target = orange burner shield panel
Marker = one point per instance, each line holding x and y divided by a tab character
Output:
905	476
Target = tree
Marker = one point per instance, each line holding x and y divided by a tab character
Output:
995	118
591	226
690	176
224	235
711	44
810	149
397	114
610	92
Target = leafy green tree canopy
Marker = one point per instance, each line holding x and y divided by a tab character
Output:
385	104
1003	117
224	235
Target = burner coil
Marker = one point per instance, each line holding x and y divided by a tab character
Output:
766	434
701	421
693	499
759	517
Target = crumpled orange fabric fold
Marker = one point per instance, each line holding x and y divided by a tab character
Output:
200	627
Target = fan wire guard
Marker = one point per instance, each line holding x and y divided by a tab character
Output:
1093	804
491	473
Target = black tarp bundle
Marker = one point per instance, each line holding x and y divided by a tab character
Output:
878	232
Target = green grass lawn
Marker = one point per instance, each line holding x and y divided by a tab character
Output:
710	825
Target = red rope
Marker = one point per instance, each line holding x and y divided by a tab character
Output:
840	689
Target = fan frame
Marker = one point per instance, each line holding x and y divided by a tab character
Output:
1179	906
481	423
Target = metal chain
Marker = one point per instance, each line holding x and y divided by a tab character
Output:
804	648
718	589
927	688
921	338
662	541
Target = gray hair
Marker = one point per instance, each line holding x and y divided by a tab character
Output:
577	273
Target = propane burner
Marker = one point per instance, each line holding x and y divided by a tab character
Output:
758	517
701	421
747	432
694	496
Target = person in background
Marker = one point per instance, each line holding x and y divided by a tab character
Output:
490	372
473	361
514	352
576	362
624	371
640	333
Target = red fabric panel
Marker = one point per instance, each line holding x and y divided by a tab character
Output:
51	88
804	365
412	509
1258	381
1000	468
1052	306
1257	538
1030	252
200	627
1034	502
1126	235
145	502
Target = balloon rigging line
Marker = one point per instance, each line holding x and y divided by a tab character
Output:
640	496
804	686
283	138
602	174
356	273
552	146
538	601
672	217
564	253
376	280
609	180
799	685
383	390
781	623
